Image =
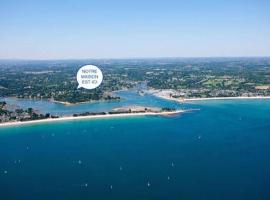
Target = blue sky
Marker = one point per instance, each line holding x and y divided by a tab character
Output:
122	29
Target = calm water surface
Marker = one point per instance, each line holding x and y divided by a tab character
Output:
221	151
127	98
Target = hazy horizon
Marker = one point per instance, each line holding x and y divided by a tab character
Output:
133	58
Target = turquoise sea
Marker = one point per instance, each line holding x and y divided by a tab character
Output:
221	151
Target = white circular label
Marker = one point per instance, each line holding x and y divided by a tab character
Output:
89	77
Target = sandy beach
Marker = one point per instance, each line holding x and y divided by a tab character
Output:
165	95
68	118
213	98
226	98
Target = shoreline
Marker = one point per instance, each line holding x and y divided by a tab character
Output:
227	98
181	100
65	103
71	118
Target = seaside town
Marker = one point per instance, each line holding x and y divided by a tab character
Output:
189	78
177	79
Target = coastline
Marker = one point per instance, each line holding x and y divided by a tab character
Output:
61	102
181	100
71	118
79	103
227	98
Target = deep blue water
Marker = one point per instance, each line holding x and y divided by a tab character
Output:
221	151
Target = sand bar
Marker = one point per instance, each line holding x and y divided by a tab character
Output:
69	118
167	97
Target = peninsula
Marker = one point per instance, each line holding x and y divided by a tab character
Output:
94	116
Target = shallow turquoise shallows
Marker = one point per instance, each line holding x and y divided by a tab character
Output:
221	151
